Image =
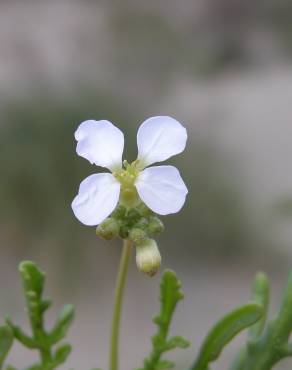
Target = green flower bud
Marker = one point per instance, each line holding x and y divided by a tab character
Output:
108	229
155	226
137	235
148	258
124	232
133	216
142	223
120	212
144	210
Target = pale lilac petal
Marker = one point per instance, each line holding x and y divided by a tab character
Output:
159	138
101	143
97	198
162	189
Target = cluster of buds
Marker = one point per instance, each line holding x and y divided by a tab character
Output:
140	225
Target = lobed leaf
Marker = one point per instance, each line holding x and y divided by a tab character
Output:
33	284
170	295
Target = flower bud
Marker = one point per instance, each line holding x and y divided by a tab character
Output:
119	212
142	223
133	216
137	235
124	231
144	210
108	229
148	258
155	226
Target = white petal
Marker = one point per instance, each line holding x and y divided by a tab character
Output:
159	138
97	198
101	143
162	189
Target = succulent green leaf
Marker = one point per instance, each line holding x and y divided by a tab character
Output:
33	284
20	335
222	333
45	305
170	295
62	354
63	323
33	278
260	295
239	362
6	340
164	364
176	342
267	347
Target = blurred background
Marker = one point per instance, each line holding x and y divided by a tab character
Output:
221	67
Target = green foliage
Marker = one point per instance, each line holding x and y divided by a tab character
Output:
267	344
260	295
6	340
33	281
170	295
224	331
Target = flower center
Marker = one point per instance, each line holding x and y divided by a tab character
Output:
127	177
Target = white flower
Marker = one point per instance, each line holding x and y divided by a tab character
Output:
161	188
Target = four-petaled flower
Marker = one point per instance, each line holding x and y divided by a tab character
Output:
161	188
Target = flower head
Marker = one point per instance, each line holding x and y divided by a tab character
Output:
160	188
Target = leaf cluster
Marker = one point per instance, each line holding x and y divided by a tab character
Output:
224	331
267	343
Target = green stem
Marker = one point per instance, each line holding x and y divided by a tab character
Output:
46	356
119	293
